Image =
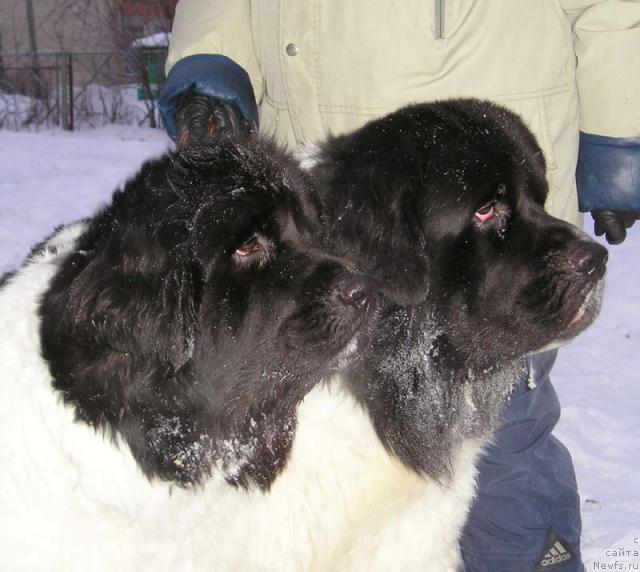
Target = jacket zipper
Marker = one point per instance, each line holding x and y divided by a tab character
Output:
439	19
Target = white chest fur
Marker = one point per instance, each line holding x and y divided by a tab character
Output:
72	500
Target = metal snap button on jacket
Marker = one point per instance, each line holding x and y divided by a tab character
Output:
291	49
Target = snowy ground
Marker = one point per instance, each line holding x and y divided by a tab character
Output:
50	178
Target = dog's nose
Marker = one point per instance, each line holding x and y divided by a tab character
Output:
590	259
356	291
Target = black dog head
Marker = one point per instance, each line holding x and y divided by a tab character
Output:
196	312
444	204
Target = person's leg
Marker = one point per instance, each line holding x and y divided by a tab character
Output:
526	516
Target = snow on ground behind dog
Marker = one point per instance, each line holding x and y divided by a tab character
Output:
54	177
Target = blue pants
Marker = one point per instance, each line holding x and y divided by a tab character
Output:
527	495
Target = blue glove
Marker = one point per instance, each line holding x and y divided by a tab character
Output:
613	224
608	179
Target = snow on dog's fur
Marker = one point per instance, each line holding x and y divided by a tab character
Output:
153	360
444	204
161	402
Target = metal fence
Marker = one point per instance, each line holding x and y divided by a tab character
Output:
80	89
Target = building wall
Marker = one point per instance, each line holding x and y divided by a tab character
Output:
13	26
81	25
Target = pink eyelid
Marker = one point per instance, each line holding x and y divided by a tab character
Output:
483	217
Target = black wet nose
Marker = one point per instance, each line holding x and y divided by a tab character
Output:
356	291
590	259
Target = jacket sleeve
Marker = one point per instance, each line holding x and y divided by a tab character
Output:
607	46
212	52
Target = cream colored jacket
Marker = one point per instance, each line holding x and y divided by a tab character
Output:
328	66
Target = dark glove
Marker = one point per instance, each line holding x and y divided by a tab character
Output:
201	118
613	224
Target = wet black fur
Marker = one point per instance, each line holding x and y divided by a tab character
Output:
465	300
159	334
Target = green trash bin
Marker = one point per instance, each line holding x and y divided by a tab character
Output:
152	66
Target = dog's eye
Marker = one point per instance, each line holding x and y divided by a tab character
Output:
252	246
488	211
257	249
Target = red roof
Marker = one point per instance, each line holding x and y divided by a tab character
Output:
149	8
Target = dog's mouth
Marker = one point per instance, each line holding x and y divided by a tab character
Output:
360	336
348	353
333	330
586	312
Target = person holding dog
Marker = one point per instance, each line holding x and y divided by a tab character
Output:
303	70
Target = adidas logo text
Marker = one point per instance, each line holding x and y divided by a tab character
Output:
556	555
555	560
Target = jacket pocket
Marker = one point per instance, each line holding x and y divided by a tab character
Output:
553	117
533	109
449	17
275	121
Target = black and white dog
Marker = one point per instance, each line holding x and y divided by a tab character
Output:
444	204
153	361
161	402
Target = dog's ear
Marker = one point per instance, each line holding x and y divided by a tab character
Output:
371	195
118	331
134	292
